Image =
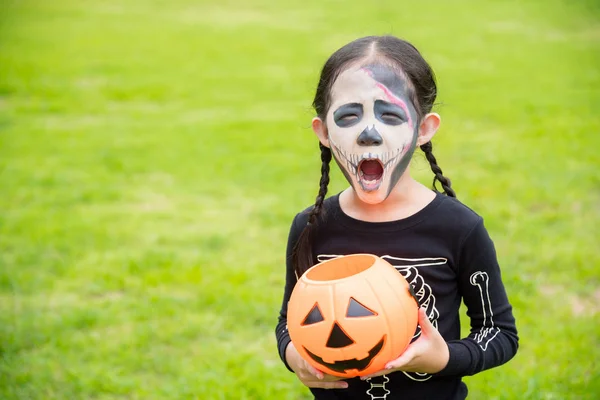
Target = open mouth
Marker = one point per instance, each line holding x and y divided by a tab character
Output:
346	365
369	169
370	174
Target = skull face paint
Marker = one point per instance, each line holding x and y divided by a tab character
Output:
372	128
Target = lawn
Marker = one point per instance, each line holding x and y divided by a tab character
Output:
153	154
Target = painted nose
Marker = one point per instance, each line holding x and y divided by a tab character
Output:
369	137
338	338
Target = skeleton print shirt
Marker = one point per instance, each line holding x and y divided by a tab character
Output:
446	254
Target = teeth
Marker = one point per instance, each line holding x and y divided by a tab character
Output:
351	167
369	156
353	160
393	156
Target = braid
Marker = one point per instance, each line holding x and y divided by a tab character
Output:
323	183
437	171
302	253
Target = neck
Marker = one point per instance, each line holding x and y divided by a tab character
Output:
407	198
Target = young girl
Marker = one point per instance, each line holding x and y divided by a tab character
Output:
373	105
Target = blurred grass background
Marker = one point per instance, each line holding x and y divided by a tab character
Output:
153	154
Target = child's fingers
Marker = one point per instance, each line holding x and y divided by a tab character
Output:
315	372
328	385
426	325
364	378
320	375
404	359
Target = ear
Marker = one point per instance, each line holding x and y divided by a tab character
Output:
320	130
428	127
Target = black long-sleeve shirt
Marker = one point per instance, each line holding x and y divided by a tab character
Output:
446	254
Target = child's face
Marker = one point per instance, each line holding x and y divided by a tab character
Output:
372	128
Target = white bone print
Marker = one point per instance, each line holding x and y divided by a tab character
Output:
407	267
378	391
488	331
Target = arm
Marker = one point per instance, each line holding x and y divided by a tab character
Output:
493	338
307	374
281	332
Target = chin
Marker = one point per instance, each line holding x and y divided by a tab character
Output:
375	196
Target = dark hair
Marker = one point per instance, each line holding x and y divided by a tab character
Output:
395	53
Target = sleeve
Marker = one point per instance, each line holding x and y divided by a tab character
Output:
281	332
493	338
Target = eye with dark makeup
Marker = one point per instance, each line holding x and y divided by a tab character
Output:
348	115
392	118
389	113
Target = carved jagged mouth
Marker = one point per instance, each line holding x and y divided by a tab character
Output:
345	365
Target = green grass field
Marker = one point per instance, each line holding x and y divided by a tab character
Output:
153	154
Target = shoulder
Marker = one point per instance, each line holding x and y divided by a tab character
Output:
457	216
464	228
301	219
330	205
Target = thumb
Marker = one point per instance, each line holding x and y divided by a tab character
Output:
426	325
404	358
412	350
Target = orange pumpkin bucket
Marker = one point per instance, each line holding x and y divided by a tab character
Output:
351	315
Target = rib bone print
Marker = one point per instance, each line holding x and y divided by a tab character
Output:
408	267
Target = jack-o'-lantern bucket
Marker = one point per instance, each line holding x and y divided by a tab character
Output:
351	315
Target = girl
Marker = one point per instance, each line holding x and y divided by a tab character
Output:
373	105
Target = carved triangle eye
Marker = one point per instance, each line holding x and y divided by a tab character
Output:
313	316
355	309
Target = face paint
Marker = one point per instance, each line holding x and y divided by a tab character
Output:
348	115
389	113
369	137
392	85
371	125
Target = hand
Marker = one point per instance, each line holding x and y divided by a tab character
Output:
429	353
309	375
